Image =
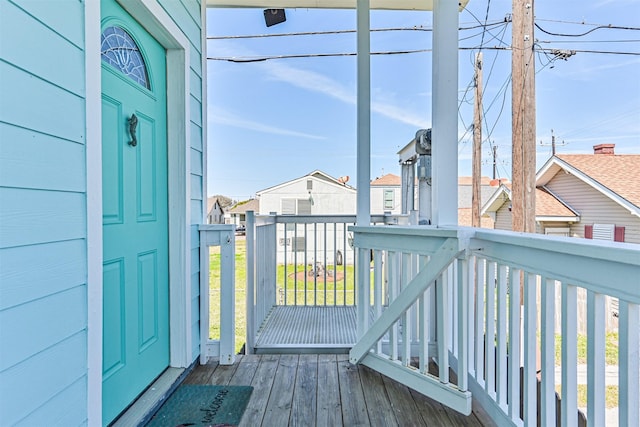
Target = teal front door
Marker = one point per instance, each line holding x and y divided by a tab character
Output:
135	210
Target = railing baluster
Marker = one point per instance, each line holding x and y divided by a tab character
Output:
569	356
443	328
547	343
363	294
451	274
406	318
596	358
335	264
344	264
514	345
377	290
490	340
480	329
286	278
324	270
423	319
629	364
471	280
463	323
530	353
306	263
393	292
295	263
501	337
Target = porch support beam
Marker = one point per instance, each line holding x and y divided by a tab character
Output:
445	113
363	166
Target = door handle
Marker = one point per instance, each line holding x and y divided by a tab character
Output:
133	124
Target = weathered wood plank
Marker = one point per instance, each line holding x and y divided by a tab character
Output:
278	410
354	409
376	398
247	366
201	374
433	412
305	392
262	382
223	374
327	391
329	412
402	403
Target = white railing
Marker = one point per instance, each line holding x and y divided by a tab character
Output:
303	260
495	298
224	348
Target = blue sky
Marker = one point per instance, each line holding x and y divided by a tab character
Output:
275	120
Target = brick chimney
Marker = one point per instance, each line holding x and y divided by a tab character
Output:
604	149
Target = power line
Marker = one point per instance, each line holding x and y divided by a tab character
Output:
333	32
393	52
599	27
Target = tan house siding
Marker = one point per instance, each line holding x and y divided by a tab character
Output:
503	217
594	207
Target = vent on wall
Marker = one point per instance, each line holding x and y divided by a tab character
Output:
603	231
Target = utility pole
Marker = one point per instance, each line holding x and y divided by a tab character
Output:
495	159
553	143
477	144
524	117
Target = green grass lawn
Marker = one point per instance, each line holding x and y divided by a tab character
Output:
296	289
610	352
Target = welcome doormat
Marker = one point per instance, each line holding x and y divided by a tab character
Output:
203	405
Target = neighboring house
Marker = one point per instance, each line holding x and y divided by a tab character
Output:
595	196
102	110
386	194
552	215
215	213
313	194
238	213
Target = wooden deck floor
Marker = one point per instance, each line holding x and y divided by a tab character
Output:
326	390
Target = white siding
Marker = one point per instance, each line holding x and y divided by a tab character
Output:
377	199
593	206
43	263
328	198
504	217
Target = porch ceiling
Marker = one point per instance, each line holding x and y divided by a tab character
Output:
328	4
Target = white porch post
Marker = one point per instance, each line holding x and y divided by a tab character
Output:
363	169
445	113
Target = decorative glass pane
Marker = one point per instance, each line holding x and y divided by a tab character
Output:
119	50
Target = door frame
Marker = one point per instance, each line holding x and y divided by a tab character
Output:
160	25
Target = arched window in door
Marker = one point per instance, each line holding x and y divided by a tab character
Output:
121	51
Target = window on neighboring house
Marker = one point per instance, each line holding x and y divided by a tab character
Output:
557	231
288	206
296	207
388	199
304	207
309	184
604	232
298	244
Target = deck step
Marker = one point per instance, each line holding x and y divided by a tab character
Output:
313	329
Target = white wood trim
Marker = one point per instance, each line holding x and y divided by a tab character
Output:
93	149
205	117
160	25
